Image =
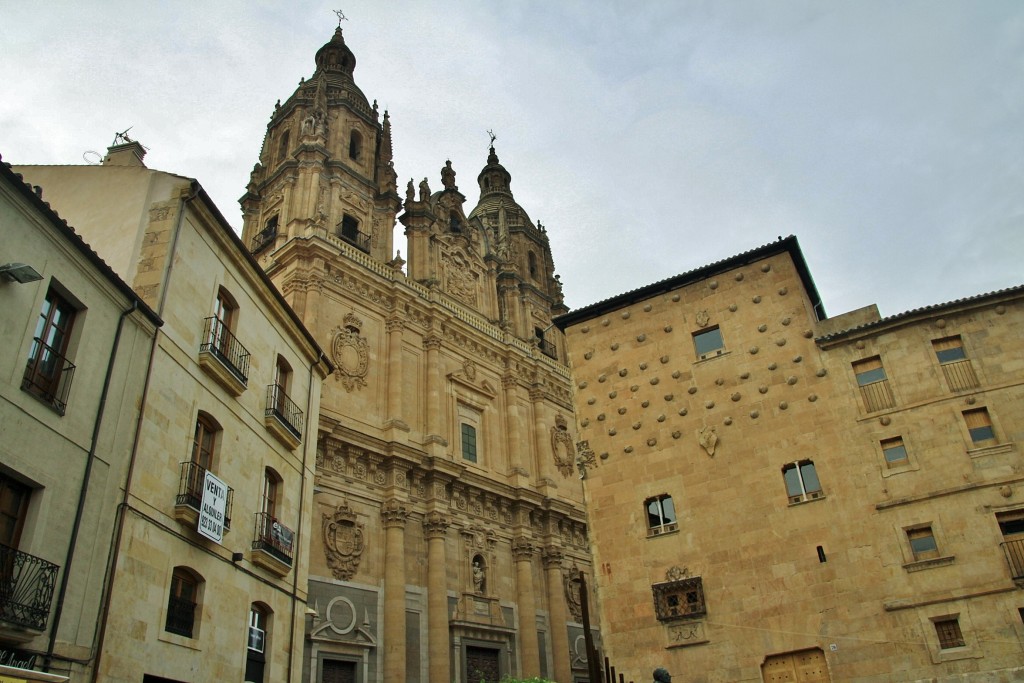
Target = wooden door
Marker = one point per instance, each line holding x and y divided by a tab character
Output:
482	665
805	666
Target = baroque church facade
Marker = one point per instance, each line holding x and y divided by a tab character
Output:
448	522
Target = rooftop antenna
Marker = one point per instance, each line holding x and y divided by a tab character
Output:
122	138
341	16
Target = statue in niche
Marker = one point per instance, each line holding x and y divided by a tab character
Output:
479	576
708	439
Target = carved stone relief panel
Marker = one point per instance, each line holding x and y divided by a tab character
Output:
343	542
351	354
562	446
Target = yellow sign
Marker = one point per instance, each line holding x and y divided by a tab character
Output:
8	679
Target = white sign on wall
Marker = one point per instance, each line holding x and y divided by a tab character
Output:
211	511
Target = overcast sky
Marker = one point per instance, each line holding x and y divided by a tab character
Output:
650	138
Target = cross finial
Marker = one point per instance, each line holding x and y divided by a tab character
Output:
341	16
493	137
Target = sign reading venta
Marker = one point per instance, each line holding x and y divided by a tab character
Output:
211	513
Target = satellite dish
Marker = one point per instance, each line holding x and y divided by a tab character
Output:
89	155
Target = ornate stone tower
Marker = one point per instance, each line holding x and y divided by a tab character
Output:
325	168
448	510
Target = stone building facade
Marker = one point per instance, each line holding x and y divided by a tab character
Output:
775	495
448	512
209	546
76	341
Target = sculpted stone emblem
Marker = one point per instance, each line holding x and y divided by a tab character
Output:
572	595
708	439
584	458
343	542
703	318
350	353
562	446
460	280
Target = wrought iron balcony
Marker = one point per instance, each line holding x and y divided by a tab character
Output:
960	375
359	240
48	375
190	494
263	239
181	616
273	538
282	408
1014	551
232	359
548	348
26	588
877	396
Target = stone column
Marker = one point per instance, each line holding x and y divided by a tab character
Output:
541	439
435	526
395	325
393	514
522	554
435	441
552	557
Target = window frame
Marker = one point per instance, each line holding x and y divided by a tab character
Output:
948	633
666	524
893	445
19	493
704	334
468	439
918	536
984	422
805	495
51	342
184	590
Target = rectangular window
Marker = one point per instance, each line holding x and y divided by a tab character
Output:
48	372
895	452
468	442
661	515
801	481
956	367
949	350
708	342
13	505
948	631
922	543
874	384
979	425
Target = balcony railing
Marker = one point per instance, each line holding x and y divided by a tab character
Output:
877	396
1014	551
26	588
960	375
273	538
48	375
359	240
181	616
221	344
262	239
190	490
284	409
548	348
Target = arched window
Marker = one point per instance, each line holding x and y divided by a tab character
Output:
532	263
454	224
282	149
355	145
256	642
182	602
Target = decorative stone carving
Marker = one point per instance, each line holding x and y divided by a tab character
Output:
435	525
343	542
584	458
572	594
703	318
460	278
707	437
393	514
561	446
350	352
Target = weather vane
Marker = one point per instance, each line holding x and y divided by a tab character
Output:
341	15
493	137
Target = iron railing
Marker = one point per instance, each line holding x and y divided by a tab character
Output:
359	240
221	343
877	396
190	490
1014	551
262	239
273	538
26	588
181	616
284	409
960	375
679	599
548	348
48	375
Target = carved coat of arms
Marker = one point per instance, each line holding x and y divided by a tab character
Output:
343	542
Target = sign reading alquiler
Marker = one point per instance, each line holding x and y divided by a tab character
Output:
211	511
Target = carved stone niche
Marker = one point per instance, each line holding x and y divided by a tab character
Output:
343	542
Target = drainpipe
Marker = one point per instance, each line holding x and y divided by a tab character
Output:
119	524
80	510
302	499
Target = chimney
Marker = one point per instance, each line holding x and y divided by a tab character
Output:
125	154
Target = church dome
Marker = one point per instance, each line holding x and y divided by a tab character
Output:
495	191
335	56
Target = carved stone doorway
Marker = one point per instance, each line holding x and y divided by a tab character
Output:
483	665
